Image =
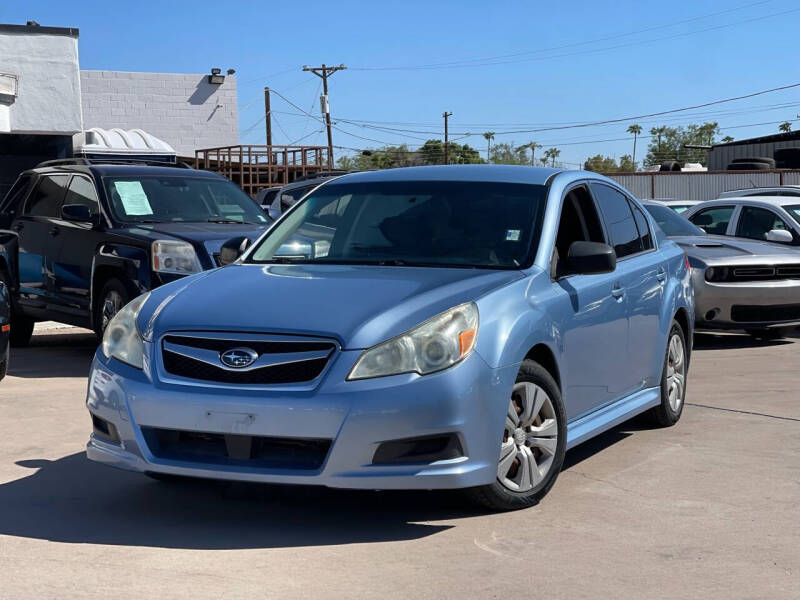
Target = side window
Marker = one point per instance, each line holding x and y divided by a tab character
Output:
713	220
755	223
81	191
46	198
579	223
11	203
619	220
643	226
291	197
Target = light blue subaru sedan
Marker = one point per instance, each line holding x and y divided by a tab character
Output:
430	327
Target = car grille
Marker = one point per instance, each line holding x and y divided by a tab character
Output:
763	273
764	314
281	359
239	450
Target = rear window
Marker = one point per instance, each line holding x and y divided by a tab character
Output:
671	223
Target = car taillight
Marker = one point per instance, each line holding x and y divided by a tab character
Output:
686	260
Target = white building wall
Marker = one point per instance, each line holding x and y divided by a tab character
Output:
185	111
49	92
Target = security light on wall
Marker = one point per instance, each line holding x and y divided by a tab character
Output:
216	77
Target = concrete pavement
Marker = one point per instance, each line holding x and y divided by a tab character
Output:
706	509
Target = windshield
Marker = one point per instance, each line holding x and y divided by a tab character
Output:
671	223
794	211
415	223
171	199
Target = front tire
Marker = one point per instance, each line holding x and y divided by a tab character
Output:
533	444
673	379
4	364
21	325
113	296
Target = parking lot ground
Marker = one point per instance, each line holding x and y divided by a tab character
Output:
706	509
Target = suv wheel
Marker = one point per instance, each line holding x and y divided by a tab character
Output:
21	325
113	296
533	444
4	364
673	379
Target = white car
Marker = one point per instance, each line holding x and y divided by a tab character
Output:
679	206
765	218
778	190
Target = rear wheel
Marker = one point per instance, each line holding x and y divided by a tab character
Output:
768	335
4	364
673	379
21	325
113	296
532	446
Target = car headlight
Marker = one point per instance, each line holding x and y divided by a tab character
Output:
437	344
716	273
122	338
175	257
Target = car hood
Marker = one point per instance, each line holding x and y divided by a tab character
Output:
721	249
359	306
209	235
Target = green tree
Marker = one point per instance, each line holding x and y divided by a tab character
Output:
552	154
727	139
432	153
785	127
509	154
627	164
601	164
533	146
488	136
635	130
669	143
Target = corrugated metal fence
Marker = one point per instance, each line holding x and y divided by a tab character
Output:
700	185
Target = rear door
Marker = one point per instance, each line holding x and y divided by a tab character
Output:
73	265
714	220
639	281
39	239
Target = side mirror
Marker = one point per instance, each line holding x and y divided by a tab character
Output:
590	258
78	213
233	249
781	236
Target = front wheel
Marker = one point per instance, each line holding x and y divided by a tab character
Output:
113	296
673	379
533	443
21	325
4	364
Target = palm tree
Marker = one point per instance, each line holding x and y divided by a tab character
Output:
543	160
552	154
533	146
635	130
488	136
658	132
785	127
727	139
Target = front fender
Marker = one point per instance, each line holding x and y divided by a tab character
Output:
132	262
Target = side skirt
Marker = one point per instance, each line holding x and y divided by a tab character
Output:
607	417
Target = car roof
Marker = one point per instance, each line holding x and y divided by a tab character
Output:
754	200
490	173
310	182
126	170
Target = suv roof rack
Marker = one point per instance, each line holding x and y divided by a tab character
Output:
80	161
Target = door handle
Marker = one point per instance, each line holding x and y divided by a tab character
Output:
19	226
54	230
618	291
661	275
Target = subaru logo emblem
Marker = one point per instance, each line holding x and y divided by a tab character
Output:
238	358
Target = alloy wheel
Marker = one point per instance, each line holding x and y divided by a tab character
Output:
530	438
676	372
112	304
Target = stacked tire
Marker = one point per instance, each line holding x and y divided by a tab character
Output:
752	164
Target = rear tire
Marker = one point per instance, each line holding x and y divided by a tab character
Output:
768	335
673	379
21	325
113	296
4	365
533	444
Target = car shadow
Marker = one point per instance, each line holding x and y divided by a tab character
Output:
74	500
54	355
734	341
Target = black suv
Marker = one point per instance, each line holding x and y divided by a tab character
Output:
79	239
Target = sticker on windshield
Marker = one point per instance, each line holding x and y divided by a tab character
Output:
133	198
512	235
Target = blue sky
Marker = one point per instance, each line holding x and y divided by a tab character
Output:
567	62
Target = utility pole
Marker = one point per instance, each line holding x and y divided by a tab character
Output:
268	115
324	72
446	154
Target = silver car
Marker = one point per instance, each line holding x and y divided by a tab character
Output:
738	283
763	218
